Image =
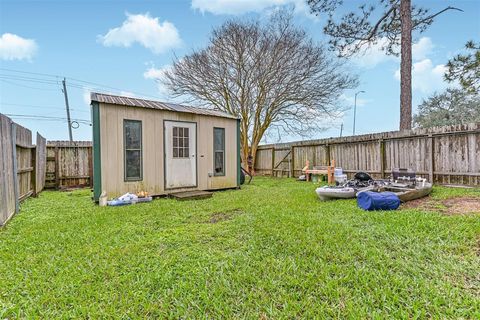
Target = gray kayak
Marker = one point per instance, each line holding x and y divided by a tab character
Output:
330	193
407	194
340	192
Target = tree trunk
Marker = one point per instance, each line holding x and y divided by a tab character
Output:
406	66
245	150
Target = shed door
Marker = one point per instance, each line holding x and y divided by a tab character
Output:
180	147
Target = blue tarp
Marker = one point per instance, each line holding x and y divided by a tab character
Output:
369	200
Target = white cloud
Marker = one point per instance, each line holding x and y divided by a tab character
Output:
243	6
13	47
154	73
145	30
350	100
86	95
128	94
422	48
373	55
87	91
426	77
157	75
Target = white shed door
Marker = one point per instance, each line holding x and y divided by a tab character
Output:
180	146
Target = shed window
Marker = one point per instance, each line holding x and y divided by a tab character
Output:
219	151
132	135
181	147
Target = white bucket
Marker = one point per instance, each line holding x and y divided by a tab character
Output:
341	178
102	200
338	172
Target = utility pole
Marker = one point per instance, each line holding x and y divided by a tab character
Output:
355	110
341	130
68	110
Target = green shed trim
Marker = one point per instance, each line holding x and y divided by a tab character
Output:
97	166
239	158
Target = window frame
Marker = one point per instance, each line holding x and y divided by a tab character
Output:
125	178
223	173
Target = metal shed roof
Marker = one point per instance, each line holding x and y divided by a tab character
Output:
158	105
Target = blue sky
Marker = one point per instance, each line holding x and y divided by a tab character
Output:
100	42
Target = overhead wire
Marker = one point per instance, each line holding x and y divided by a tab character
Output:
19	78
41	107
47	118
73	82
29	87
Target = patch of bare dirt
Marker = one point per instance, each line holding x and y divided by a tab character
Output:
462	205
450	206
223	216
477	248
425	203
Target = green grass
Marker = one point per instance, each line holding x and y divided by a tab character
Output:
281	254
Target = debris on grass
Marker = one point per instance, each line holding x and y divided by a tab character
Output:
449	206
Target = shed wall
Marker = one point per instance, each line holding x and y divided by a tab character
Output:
112	149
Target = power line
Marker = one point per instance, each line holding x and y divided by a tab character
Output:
29	87
29	72
77	85
41	107
23	78
37	117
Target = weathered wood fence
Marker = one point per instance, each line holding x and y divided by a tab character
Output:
22	166
444	155
69	164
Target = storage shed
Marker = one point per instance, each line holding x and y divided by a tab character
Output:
161	148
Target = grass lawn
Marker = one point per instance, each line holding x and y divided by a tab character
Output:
270	250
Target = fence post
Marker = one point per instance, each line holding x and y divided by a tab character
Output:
273	161
431	159
292	162
13	129
382	158
57	171
90	167
33	173
327	151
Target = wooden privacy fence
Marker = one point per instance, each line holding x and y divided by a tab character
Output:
22	166
69	164
444	155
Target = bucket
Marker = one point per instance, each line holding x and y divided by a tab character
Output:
340	179
102	200
337	171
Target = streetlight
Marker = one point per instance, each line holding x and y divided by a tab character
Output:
355	109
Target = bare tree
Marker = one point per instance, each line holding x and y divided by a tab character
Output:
270	75
392	23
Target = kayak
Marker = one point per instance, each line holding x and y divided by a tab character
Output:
405	193
329	193
339	192
348	190
405	187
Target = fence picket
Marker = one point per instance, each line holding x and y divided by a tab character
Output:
443	154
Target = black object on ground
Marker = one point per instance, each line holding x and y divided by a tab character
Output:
242	176
362	176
